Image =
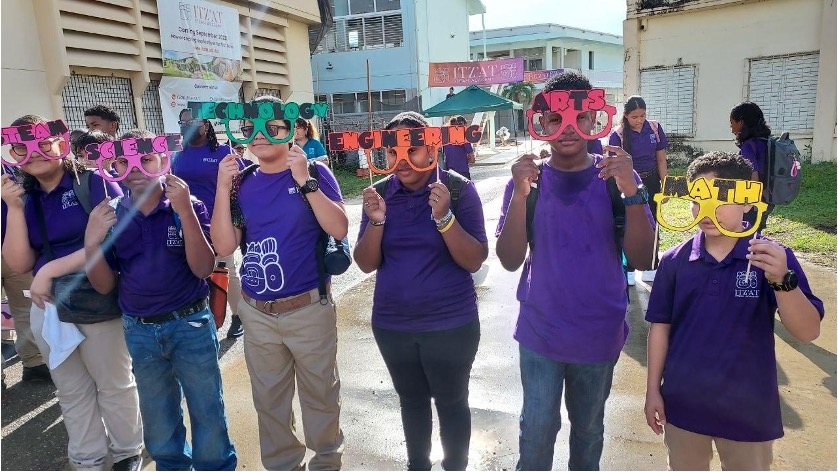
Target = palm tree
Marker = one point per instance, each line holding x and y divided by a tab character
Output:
523	93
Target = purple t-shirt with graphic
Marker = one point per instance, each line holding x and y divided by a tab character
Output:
456	157
418	286
644	145
65	218
572	289
755	150
154	276
720	373
280	234
198	167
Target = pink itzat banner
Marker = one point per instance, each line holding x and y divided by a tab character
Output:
501	71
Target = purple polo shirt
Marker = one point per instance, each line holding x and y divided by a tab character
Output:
5	212
644	145
198	167
281	234
572	289
720	374
595	147
755	150
418	286
65	218
456	157
154	277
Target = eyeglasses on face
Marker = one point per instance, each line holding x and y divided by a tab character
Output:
273	130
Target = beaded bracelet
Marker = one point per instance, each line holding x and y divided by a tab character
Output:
449	225
381	223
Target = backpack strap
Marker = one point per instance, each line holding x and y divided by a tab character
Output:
655	126
456	182
381	185
532	198
235	208
82	190
322	241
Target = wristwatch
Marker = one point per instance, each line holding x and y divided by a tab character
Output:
788	283
639	198
311	185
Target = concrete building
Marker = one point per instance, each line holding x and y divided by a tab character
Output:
399	38
693	60
549	46
60	57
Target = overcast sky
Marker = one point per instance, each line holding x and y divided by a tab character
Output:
598	15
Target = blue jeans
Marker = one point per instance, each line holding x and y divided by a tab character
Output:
171	360
588	386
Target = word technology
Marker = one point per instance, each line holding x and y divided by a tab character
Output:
404	137
226	111
134	147
33	132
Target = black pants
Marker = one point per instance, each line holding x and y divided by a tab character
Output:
652	182
436	365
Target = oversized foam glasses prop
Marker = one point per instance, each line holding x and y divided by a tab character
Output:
552	112
132	150
401	141
36	138
677	196
258	114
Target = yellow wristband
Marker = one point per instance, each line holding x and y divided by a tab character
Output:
449	225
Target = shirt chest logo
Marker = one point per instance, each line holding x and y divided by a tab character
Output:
293	190
653	139
173	237
210	160
746	285
68	199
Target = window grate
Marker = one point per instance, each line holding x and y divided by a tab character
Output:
85	91
268	91
670	95
152	112
785	88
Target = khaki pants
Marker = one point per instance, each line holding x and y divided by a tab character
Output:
14	285
234	290
299	344
692	451
97	394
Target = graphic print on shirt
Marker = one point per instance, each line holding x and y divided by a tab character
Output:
174	238
746	287
653	139
69	199
260	267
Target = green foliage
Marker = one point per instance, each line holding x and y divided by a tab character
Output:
351	185
521	92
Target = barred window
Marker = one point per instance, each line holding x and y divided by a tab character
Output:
785	88
670	96
85	91
269	92
152	112
371	31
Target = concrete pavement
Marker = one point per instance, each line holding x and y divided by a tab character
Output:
34	438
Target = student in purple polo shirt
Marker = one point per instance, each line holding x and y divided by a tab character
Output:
162	254
572	321
747	123
424	314
458	156
646	143
96	389
197	165
290	333
712	372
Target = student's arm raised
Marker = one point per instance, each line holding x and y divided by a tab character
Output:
199	253
512	240
225	236
16	249
101	220
330	214
639	238
368	247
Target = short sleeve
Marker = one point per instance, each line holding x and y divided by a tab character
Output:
614	139
662	296
470	212
507	197
98	186
328	183
802	282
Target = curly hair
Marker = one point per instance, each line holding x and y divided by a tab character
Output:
103	112
723	164
753	122
568	80
81	141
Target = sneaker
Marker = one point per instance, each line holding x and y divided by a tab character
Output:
630	278
648	275
236	328
39	373
129	463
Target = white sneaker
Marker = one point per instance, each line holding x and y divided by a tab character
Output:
630	278
648	275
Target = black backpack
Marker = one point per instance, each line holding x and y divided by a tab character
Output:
455	186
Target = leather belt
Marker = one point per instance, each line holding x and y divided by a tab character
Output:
284	305
190	309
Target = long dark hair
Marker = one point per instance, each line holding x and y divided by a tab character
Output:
212	140
753	122
633	103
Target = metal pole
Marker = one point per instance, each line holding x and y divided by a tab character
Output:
483	23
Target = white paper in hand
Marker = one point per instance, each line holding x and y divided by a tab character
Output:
62	338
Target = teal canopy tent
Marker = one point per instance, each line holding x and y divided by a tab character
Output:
471	100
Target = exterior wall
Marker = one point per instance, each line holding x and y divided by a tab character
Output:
48	40
731	33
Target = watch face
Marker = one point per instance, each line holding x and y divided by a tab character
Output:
790	280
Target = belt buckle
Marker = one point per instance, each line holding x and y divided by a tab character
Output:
266	310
